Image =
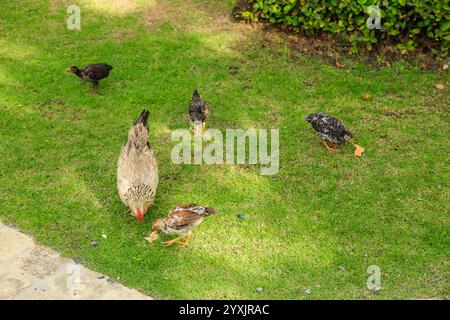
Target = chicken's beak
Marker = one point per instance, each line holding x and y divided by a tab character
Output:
68	70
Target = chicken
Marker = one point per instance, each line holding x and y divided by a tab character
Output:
332	131
198	110
180	221
137	170
92	73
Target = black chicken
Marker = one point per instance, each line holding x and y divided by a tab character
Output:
198	109
331	131
92	73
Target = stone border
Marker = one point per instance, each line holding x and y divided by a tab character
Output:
29	271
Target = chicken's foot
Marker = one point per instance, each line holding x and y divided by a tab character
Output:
329	148
170	242
186	240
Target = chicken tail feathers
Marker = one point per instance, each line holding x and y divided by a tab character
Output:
138	133
195	94
143	118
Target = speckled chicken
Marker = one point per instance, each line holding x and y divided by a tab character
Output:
137	170
198	110
331	131
180	221
92	73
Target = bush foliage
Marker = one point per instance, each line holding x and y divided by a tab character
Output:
403	21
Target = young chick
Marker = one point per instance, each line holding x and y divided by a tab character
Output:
92	73
198	110
180	221
331	131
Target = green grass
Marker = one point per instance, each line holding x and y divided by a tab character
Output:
59	146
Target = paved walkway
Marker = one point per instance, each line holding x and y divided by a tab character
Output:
31	271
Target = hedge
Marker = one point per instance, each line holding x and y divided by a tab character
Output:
402	21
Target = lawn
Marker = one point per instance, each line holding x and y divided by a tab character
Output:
317	224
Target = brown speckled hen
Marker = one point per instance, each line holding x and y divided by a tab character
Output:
92	73
180	221
137	170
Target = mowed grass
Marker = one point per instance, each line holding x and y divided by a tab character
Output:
59	146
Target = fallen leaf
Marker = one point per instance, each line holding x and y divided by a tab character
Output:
366	96
358	151
439	86
339	65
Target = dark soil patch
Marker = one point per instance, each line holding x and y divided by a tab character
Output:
397	113
57	109
333	48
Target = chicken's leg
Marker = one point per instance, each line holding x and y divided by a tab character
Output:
94	87
187	239
197	129
203	126
330	149
170	242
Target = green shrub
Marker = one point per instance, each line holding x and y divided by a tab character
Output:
402	21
